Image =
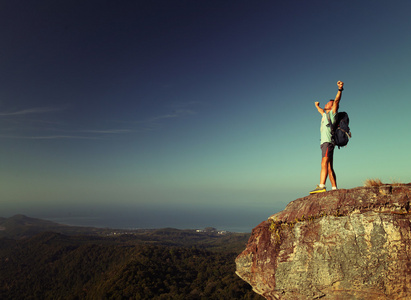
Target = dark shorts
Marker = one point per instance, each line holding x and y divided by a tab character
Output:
327	150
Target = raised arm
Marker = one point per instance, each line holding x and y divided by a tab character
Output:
320	110
336	103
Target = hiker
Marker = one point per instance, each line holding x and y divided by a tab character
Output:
329	114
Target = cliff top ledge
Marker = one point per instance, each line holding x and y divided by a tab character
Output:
385	198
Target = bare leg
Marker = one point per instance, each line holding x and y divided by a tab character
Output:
324	169
331	173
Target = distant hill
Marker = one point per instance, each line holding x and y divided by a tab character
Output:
20	226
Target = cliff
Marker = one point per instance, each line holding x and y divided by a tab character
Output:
344	244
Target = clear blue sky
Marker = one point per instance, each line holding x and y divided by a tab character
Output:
195	108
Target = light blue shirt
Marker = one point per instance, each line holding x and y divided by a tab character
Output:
325	129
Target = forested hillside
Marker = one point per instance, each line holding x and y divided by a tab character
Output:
55	266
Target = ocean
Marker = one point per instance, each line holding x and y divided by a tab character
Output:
151	219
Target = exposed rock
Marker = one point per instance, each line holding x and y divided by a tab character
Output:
344	244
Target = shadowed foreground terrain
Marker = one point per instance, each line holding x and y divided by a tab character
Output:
151	264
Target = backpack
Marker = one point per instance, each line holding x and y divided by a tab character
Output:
340	131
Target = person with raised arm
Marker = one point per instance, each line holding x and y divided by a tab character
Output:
328	114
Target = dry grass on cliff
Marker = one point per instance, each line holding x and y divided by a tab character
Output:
378	182
373	182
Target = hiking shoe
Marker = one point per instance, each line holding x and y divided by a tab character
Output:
318	189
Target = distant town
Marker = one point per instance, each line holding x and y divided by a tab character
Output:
118	232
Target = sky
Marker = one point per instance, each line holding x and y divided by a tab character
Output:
194	113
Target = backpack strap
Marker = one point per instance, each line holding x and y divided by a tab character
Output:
331	126
329	122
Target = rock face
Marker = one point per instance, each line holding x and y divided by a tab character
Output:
344	244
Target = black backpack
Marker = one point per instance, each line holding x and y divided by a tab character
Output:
340	130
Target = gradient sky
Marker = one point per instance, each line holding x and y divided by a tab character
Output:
196	109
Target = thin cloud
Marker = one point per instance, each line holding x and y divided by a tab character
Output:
156	123
95	135
179	110
53	137
108	131
178	113
186	104
23	127
36	110
49	137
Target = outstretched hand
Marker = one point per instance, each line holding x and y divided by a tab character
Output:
340	84
317	105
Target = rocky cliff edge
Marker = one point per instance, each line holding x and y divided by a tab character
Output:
344	244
